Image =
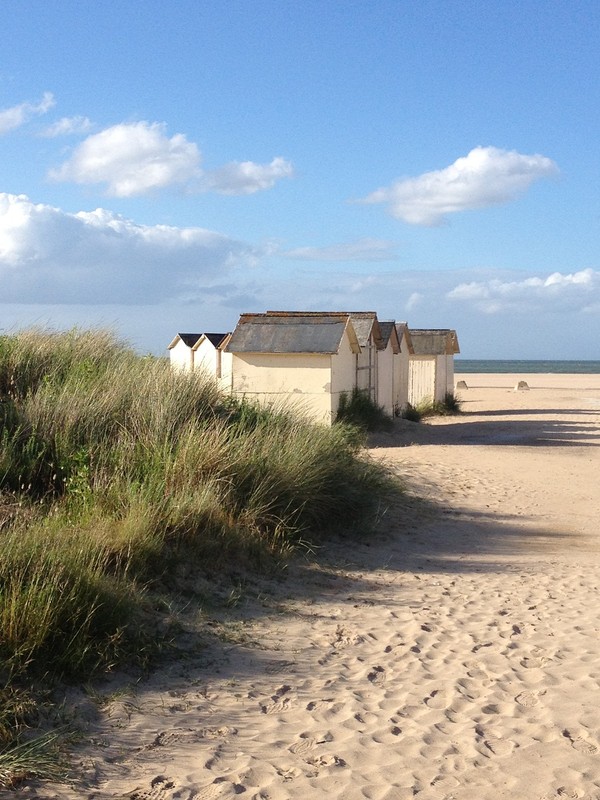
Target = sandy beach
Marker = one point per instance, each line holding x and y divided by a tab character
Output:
454	656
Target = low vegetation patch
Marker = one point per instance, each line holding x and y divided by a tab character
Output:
358	409
432	408
117	474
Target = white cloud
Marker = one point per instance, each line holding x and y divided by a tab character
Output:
247	177
361	250
132	159
14	117
137	158
50	256
487	176
68	126
570	291
415	299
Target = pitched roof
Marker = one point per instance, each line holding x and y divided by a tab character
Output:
215	339
364	322
189	339
388	331
282	332
434	341
403	332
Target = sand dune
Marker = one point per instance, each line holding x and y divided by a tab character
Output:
456	656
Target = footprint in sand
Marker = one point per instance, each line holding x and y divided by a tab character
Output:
302	747
583	746
445	782
527	699
326	761
567	791
377	675
316	704
499	747
579	742
221	787
437	699
216	733
159	787
495	744
279	702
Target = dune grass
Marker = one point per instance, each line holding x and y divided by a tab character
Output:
450	406
357	408
114	472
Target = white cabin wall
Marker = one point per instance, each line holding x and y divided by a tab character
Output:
181	356
293	381
421	383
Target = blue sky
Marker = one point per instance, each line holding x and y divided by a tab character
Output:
165	167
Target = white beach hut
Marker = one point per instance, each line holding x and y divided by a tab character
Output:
181	353
209	355
431	364
387	373
293	359
402	367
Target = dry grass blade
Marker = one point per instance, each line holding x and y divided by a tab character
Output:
37	758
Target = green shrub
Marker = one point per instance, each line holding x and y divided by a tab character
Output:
360	410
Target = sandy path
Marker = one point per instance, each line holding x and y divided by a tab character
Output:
456	657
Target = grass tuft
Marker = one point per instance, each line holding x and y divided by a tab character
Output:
450	406
360	410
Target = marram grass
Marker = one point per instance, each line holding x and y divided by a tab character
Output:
116	470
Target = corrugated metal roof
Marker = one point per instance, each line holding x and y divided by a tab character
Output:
434	341
278	332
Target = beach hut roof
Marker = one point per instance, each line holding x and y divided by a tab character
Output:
189	339
403	332
388	332
216	339
364	322
434	341
291	332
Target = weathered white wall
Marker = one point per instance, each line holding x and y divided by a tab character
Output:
181	356
421	379
401	376
343	374
226	371
430	377
441	372
366	370
205	357
449	375
298	381
385	379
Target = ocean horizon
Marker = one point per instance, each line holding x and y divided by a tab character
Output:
472	365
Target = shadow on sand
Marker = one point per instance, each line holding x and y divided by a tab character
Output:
487	428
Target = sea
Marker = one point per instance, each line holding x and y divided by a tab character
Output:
521	366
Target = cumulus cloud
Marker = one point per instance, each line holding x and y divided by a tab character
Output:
68	126
50	256
131	159
487	176
14	117
247	177
361	250
139	157
575	290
